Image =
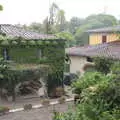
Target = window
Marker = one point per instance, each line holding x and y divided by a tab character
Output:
6	54
39	53
89	59
104	39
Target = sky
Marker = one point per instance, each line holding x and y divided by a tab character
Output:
28	11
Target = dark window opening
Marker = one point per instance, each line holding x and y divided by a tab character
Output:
6	54
89	59
104	39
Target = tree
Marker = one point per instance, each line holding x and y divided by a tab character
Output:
53	13
36	27
1	7
107	20
61	20
68	37
74	24
92	22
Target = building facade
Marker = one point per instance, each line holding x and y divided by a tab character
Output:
104	35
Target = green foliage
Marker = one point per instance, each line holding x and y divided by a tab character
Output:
3	68
98	101
1	7
116	68
68	37
93	22
103	65
106	20
24	55
89	79
81	36
74	24
15	76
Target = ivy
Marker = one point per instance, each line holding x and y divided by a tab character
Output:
24	51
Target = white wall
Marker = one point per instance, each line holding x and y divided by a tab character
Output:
77	63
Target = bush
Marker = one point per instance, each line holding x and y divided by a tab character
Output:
59	91
45	102
54	81
103	65
27	106
61	100
4	110
89	79
89	67
16	76
98	101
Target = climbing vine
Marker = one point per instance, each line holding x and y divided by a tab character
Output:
52	54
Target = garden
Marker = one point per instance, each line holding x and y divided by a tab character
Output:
97	94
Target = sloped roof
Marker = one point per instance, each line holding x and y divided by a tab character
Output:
108	50
13	31
105	29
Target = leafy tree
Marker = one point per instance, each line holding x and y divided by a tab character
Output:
74	24
107	20
61	20
92	22
1	7
36	27
68	37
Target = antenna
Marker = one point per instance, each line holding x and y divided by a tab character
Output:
105	9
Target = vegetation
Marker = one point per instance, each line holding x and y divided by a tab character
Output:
99	97
75	29
1	7
103	65
52	55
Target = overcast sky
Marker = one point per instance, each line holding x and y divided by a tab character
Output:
27	11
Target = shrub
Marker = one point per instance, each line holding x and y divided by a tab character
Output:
4	110
45	102
116	68
89	67
98	101
59	91
103	65
27	106
61	100
89	79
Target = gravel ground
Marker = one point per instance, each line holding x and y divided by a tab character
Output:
45	113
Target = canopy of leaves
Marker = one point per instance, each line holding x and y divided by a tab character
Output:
1	7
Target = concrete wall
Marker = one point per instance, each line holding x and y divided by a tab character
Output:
77	63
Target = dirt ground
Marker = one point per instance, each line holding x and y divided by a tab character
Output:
45	113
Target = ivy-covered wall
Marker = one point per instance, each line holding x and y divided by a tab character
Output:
52	54
24	55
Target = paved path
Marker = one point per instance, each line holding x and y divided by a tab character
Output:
45	113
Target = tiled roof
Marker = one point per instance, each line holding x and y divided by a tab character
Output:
105	29
108	50
13	31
